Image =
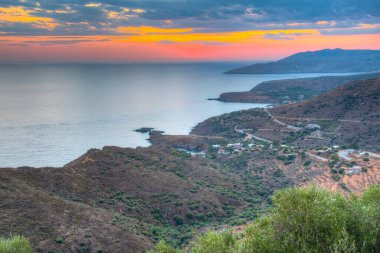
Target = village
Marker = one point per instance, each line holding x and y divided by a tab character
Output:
338	161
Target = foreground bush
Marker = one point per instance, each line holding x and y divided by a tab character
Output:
307	219
16	244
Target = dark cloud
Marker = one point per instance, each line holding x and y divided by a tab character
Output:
21	28
74	17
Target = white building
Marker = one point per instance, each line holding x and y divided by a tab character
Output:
356	170
313	126
235	145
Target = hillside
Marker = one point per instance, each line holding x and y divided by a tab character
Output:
322	61
287	90
349	114
126	200
113	200
359	100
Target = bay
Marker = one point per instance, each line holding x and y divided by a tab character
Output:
52	114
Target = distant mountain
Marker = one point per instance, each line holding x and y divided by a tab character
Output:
322	61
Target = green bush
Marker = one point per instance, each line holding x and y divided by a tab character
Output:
335	177
59	240
214	242
178	220
163	247
307	219
15	244
307	163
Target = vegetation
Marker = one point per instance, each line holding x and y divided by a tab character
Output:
307	219
15	244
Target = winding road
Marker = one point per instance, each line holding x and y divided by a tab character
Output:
250	136
280	122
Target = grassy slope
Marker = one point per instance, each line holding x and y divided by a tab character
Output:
126	198
117	198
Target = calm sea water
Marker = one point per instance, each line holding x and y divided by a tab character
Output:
51	114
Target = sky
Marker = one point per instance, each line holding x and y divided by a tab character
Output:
182	30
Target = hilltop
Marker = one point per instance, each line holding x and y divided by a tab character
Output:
322	61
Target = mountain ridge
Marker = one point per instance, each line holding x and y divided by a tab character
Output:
321	61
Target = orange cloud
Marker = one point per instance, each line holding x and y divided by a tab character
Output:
147	34
324	23
138	10
17	14
121	48
368	26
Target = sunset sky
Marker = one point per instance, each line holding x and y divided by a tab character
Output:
181	30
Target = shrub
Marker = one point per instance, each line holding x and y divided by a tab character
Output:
59	240
307	219
214	242
163	247
334	157
307	163
354	145
15	244
178	220
189	216
335	177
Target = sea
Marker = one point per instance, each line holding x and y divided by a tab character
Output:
50	114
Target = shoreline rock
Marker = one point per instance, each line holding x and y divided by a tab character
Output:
144	130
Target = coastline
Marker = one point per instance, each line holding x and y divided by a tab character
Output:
256	96
222	172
